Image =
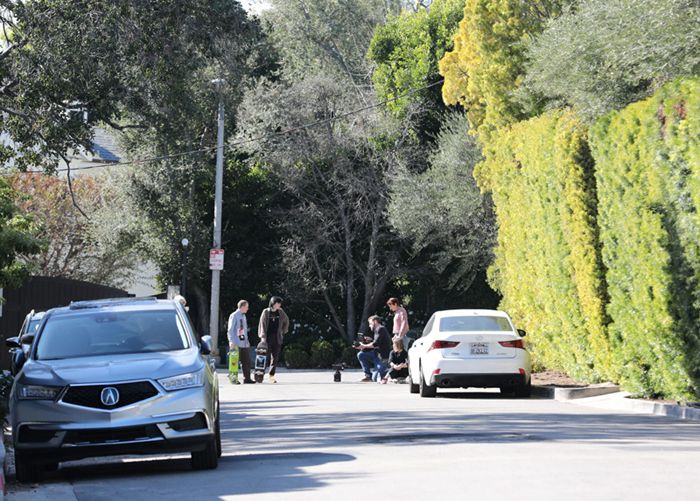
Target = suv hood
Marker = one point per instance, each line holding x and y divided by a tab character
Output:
111	369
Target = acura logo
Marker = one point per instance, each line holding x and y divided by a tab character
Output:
109	396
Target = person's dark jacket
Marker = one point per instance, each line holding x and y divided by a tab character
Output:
382	341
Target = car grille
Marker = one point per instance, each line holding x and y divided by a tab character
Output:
129	393
113	435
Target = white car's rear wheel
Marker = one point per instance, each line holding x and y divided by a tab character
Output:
425	389
412	387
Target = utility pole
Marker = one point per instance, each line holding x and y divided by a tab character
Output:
215	273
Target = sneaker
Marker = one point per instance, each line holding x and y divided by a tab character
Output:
235	381
382	381
365	379
272	379
248	381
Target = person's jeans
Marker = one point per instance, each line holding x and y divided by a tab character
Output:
274	351
373	366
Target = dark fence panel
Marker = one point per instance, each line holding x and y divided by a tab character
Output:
41	294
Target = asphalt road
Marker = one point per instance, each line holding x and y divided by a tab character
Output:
308	438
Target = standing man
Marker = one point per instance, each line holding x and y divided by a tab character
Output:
375	362
400	329
238	339
274	324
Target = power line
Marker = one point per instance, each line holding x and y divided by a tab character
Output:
260	137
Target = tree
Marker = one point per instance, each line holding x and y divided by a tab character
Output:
441	212
339	253
605	54
486	65
328	36
17	237
72	248
70	65
406	51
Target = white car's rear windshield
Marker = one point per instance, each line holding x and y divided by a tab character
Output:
474	323
85	334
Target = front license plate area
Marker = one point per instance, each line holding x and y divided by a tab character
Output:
479	348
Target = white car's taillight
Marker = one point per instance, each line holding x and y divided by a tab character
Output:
515	343
439	345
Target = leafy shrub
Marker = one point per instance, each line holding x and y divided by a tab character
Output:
322	354
6	380
606	54
547	262
296	358
648	170
487	62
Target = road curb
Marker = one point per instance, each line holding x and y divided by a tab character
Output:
561	394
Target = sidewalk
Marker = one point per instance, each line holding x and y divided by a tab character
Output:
609	397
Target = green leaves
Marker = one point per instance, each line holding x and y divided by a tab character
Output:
17	238
648	160
606	54
548	264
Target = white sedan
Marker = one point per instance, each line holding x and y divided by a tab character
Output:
469	348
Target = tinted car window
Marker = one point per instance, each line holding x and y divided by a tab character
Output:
429	326
33	326
474	323
84	334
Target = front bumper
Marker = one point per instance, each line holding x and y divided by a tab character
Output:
177	421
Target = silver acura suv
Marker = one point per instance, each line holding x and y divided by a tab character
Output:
121	376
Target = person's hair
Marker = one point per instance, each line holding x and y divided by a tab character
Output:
398	343
275	300
392	300
375	317
242	303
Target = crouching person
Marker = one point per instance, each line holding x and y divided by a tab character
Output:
398	363
374	356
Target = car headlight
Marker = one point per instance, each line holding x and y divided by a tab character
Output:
189	380
34	392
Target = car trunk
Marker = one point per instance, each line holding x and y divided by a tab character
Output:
475	345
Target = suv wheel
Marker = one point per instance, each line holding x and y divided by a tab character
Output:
26	471
208	459
425	389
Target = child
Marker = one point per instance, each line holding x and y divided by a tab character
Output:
398	361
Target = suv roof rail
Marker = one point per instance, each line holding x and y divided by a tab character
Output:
99	303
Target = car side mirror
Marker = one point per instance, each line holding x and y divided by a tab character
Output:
522	333
12	342
27	339
205	345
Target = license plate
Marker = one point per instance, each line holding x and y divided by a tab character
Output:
479	348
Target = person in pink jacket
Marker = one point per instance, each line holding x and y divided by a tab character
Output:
400	328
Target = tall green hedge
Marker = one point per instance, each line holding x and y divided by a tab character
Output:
548	264
648	173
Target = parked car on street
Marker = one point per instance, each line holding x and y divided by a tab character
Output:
121	376
29	326
469	348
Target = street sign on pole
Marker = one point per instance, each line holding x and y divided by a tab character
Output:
216	259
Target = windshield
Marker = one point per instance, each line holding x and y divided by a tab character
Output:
86	334
474	323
